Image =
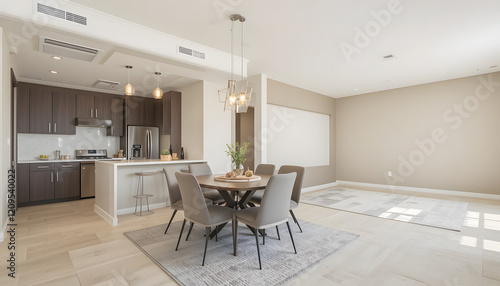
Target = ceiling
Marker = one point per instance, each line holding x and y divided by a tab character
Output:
332	47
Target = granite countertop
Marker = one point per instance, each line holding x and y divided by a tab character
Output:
67	160
149	162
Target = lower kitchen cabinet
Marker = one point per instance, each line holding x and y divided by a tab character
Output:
48	182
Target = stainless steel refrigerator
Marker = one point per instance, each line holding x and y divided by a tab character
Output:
143	142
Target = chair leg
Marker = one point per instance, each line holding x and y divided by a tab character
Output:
258	251
175	211
206	243
180	234
216	233
251	204
291	236
190	229
295	220
278	232
235	236
263	237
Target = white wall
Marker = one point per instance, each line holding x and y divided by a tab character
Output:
216	128
4	129
259	101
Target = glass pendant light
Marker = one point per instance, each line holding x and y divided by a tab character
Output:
232	99
129	89
158	93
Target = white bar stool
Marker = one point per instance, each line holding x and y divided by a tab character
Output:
140	192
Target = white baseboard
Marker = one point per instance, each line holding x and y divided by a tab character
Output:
319	187
132	209
107	217
4	230
423	190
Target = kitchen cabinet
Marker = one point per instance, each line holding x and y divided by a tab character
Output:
51	110
143	111
49	182
93	105
117	114
172	106
67	184
22	183
41	182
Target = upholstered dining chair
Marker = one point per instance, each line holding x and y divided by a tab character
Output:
204	169
262	169
273	210
174	193
196	211
297	189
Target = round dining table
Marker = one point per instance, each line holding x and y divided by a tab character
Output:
230	190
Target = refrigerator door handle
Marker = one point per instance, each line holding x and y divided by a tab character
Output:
150	144
146	151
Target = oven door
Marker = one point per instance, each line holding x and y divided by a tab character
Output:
87	179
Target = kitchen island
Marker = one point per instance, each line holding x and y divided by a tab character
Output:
116	184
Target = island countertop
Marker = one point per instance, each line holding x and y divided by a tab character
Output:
148	162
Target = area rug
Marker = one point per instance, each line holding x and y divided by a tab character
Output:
280	264
424	211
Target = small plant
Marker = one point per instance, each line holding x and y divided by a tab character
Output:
165	152
237	153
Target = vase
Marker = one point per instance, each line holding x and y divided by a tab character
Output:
237	169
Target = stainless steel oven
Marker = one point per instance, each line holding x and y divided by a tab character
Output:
87	170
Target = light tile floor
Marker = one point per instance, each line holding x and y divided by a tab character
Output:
68	244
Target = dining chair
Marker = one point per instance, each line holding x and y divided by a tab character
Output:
297	189
196	211
174	193
273	210
204	169
262	169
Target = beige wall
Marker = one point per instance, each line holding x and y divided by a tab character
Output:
443	135
5	97
286	95
192	121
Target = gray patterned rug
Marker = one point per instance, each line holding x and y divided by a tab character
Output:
425	211
280	264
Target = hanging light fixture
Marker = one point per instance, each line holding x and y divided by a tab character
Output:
158	93
129	89
233	100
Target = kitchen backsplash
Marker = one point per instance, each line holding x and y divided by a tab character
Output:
30	146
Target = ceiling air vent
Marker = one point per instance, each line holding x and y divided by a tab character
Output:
190	52
61	14
388	57
104	83
44	9
64	49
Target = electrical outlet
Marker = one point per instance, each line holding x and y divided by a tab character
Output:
389	173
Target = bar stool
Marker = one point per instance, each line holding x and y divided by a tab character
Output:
140	192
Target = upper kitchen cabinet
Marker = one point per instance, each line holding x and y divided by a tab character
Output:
143	111
51	110
117	114
172	118
93	105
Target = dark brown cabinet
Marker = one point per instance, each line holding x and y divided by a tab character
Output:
45	110
172	107
117	114
49	182
93	105
41	182
23	183
67	184
143	111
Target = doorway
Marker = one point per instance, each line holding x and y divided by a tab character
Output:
245	133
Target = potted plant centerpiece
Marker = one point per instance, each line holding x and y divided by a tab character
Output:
165	155
237	154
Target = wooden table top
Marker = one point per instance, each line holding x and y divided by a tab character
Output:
208	182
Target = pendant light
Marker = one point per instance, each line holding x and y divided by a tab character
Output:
129	89
232	99
158	93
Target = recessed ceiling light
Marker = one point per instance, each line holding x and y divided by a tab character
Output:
492	67
355	89
56	57
54	72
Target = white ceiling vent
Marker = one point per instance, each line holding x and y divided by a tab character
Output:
61	14
190	52
104	83
64	49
